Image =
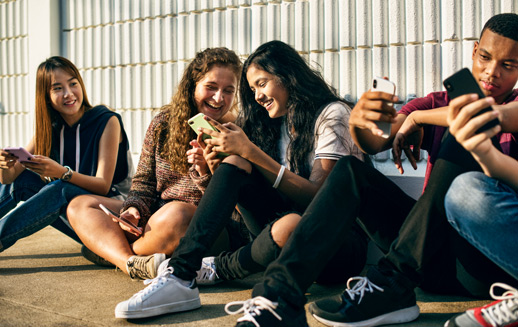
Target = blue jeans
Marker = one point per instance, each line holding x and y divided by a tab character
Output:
42	205
485	212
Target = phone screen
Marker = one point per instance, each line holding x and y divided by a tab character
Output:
120	219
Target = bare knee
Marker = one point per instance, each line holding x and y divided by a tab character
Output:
239	163
77	207
282	228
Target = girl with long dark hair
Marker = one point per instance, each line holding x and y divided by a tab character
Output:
291	131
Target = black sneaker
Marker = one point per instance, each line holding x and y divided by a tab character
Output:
260	311
501	313
374	300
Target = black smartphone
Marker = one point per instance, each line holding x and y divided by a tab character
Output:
463	82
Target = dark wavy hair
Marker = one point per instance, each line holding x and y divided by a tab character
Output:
308	93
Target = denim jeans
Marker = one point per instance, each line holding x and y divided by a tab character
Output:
485	212
42	205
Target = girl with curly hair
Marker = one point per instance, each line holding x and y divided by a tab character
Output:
170	178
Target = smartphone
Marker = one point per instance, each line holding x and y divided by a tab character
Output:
383	85
22	154
125	222
199	121
463	82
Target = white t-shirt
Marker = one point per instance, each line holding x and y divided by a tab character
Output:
332	137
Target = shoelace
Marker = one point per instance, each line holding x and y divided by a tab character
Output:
253	307
155	283
363	284
501	312
208	270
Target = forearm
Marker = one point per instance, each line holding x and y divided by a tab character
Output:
435	117
94	184
7	176
296	188
497	165
508	117
368	142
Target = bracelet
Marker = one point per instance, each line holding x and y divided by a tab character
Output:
279	177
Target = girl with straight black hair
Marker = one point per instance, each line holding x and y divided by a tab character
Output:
291	131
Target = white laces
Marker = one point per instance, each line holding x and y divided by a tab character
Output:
253	307
207	271
505	311
363	284
155	283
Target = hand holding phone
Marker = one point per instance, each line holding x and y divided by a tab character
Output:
463	82
135	229
382	85
199	121
22	154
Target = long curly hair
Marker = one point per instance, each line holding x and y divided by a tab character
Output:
308	93
183	106
45	114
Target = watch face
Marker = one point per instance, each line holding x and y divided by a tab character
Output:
67	175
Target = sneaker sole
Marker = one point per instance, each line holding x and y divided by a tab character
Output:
160	310
395	317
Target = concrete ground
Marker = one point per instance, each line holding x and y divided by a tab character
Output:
44	281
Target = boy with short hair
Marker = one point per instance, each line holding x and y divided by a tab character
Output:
425	250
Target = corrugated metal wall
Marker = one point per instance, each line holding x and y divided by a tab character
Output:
132	52
14	106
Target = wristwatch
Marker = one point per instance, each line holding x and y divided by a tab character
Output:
67	175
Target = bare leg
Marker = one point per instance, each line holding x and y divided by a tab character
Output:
98	231
164	229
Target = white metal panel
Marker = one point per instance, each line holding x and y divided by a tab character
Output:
218	27
243	27
183	36
259	24
206	28
470	19
431	15
379	21
348	74
316	26
302	26
451	29
414	22
363	24
288	22
273	22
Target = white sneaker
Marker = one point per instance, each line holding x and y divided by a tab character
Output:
207	274
165	294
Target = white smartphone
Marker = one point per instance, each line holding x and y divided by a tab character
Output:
383	85
22	154
125	222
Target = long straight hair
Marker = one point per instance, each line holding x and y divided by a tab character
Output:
308	93
45	114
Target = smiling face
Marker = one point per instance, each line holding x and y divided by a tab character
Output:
495	64
269	92
66	96
214	93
